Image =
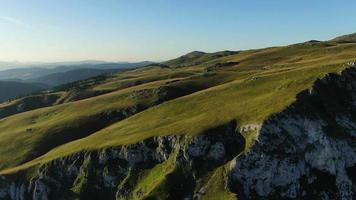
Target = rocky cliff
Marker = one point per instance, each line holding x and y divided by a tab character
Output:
113	173
308	151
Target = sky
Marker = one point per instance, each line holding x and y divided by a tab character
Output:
156	30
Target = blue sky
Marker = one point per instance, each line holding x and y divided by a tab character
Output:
132	30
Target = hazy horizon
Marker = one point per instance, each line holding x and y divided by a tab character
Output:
115	31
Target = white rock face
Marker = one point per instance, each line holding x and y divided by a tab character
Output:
301	153
288	151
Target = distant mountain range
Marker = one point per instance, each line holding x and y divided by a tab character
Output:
16	64
30	78
36	71
60	78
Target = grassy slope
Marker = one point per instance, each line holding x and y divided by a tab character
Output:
40	130
41	126
264	82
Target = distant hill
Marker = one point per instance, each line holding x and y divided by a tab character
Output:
350	38
25	73
72	76
12	89
196	58
16	64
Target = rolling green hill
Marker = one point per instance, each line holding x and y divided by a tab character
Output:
167	107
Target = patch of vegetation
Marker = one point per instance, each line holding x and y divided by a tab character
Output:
216	187
150	181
